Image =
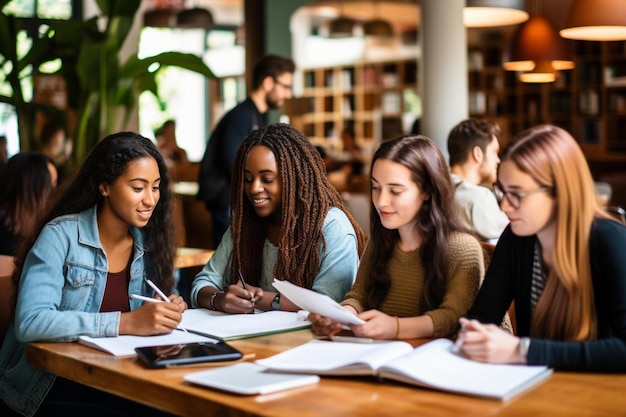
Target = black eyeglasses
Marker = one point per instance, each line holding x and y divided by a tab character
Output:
514	197
283	85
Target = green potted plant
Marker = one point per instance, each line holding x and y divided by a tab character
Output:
101	86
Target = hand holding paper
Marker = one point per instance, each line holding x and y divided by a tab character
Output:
316	303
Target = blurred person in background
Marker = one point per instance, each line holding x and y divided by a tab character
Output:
27	182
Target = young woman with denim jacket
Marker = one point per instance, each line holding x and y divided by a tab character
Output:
105	233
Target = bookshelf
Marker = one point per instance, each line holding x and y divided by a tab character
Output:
588	101
369	97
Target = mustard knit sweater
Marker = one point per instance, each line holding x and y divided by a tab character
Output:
466	270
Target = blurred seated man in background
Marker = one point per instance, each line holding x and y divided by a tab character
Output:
174	156
347	169
473	147
167	145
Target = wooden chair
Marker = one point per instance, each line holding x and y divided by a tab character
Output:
617	212
508	323
7	265
6	293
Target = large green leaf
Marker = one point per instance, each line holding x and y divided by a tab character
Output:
135	66
41	51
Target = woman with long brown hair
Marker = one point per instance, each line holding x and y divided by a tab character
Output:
420	272
561	260
288	222
28	179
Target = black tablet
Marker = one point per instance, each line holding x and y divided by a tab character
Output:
187	354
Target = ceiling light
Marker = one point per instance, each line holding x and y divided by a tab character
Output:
537	40
596	20
542	73
486	13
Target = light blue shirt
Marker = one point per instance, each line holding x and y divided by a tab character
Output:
59	298
336	274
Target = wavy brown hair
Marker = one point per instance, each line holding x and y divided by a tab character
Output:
551	156
307	195
436	220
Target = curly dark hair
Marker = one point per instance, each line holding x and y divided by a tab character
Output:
436	219
307	195
106	162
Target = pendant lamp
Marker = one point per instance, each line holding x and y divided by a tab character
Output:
486	13
543	72
596	20
537	40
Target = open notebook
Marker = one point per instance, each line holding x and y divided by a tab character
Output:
203	325
432	365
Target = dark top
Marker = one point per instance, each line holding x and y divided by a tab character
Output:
217	162
509	278
8	241
116	291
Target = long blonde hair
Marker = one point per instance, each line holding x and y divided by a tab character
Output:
565	310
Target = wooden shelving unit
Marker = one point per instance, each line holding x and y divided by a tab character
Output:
369	97
588	101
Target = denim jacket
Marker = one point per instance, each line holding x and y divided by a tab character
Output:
59	298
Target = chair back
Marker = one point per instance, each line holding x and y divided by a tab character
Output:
6	293
6	296
7	265
617	212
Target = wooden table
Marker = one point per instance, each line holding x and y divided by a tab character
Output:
188	257
563	394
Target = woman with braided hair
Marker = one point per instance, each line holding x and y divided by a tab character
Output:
287	222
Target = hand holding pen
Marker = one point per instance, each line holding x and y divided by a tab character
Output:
156	316
243	284
241	298
487	343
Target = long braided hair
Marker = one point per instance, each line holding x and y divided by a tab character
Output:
306	197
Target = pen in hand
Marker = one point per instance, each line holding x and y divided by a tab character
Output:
162	295
458	343
243	284
146	299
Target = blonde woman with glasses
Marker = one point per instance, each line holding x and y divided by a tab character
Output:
561	260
